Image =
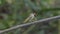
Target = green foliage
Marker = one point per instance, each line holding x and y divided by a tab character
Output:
21	9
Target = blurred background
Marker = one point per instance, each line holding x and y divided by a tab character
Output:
15	12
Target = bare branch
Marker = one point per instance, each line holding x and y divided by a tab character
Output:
36	22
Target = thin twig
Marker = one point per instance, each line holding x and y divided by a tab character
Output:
36	22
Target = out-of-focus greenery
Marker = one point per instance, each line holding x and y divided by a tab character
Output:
21	9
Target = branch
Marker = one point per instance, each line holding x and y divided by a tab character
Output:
36	22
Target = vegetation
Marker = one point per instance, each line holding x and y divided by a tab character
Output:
15	12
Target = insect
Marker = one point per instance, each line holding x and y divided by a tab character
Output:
31	16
